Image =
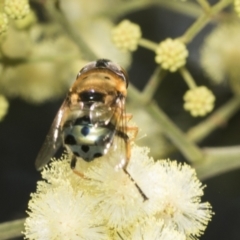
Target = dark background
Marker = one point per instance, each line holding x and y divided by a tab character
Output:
24	128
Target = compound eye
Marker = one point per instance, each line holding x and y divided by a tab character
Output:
119	71
87	67
107	64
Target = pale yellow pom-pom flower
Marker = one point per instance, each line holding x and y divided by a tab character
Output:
155	229
3	22
173	191
126	35
118	199
199	101
61	212
16	9
171	54
107	202
3	107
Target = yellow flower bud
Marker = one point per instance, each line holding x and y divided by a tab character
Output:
16	9
199	101
171	54
126	35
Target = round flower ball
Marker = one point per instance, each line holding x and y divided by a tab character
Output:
171	54
199	101
16	9
126	35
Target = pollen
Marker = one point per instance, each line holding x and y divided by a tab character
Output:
16	9
126	35
199	101
171	54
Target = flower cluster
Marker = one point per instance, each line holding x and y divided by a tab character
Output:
199	101
171	54
126	35
3	22
16	9
3	106
150	200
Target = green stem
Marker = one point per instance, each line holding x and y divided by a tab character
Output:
153	83
188	149
217	161
148	44
186	8
205	5
188	78
201	22
12	229
72	33
125	8
215	120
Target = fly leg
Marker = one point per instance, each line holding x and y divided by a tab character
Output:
73	167
128	142
134	131
138	188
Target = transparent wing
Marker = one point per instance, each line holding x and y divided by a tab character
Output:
101	114
120	142
52	141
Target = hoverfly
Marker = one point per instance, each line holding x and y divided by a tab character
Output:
92	116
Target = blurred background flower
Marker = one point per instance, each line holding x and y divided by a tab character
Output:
219	58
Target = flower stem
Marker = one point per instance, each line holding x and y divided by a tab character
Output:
153	83
216	119
191	151
125	8
188	78
72	33
202	21
148	44
217	161
188	149
11	229
187	8
205	5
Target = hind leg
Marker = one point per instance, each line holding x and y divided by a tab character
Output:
134	131
128	142
73	167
